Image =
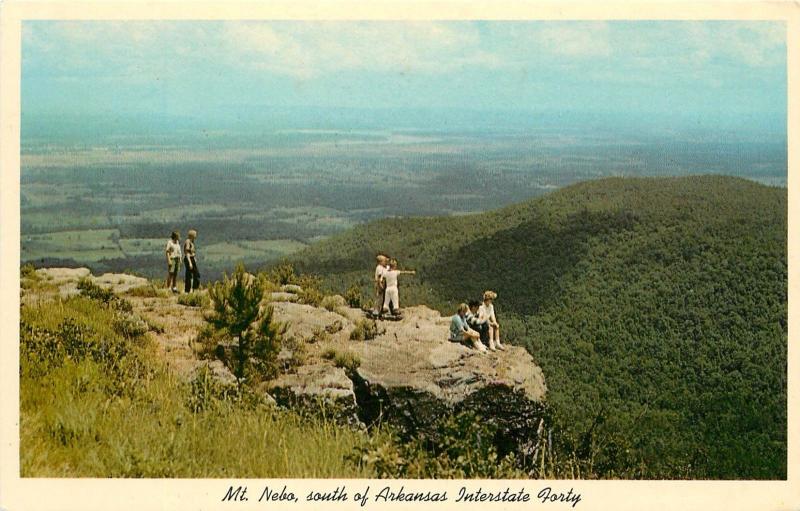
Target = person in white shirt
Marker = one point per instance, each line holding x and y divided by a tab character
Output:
486	313
392	300
173	252
380	283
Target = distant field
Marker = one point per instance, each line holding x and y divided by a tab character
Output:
87	245
143	246
260	197
259	250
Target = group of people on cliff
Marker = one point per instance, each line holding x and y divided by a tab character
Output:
188	253
474	323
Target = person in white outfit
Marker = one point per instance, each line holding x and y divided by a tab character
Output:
392	301
486	313
173	252
380	282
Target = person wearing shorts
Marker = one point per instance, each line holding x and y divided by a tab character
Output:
486	313
380	283
173	252
391	303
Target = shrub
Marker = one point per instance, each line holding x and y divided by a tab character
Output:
154	326
332	302
105	296
334	327
295	354
345	359
319	334
146	291
210	339
237	312
310	296
130	326
353	296
28	271
195	299
206	391
463	449
69	333
364	330
283	274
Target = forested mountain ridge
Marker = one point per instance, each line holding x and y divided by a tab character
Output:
656	307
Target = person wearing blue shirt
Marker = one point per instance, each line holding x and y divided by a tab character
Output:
460	330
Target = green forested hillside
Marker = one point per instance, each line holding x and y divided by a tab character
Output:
657	309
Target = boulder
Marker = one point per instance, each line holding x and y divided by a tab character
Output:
218	371
59	276
66	279
318	389
307	322
119	282
411	376
280	296
291	288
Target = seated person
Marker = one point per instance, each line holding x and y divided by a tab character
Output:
474	321
486	313
460	331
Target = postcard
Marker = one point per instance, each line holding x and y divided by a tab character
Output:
355	255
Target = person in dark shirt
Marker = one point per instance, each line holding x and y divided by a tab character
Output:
480	326
192	280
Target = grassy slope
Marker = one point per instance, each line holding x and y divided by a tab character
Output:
656	307
96	404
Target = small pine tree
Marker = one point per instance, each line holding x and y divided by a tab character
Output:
237	312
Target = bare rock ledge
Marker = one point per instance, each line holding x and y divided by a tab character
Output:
411	376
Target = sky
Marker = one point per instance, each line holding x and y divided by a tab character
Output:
731	72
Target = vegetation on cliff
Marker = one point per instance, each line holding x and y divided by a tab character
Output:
657	309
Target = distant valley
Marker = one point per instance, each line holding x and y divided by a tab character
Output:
109	201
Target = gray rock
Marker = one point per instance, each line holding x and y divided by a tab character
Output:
306	321
319	388
60	276
291	288
412	376
119	282
280	296
221	372
67	280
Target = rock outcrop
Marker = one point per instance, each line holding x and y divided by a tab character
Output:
411	376
406	373
319	388
67	280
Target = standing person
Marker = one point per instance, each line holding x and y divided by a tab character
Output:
486	313
392	300
173	252
380	284
460	331
474	321
192	280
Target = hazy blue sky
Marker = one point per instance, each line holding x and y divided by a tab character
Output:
697	69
